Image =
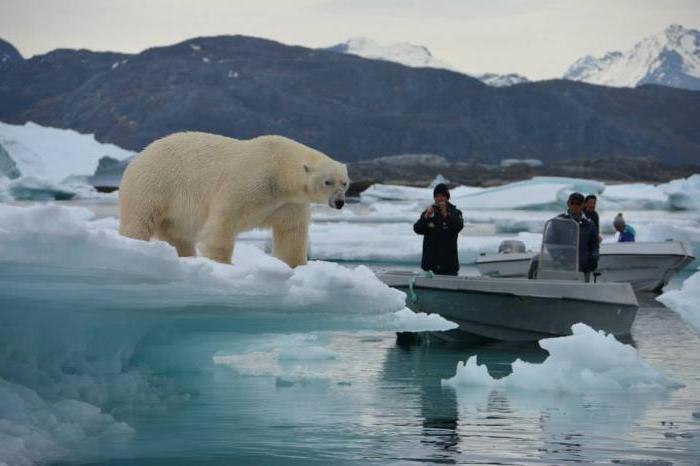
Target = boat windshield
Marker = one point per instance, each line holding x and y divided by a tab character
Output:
559	246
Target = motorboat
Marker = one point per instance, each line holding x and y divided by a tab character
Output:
522	309
647	266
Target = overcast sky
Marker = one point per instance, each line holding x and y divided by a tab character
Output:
537	38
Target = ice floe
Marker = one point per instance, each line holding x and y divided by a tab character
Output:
586	360
686	300
79	301
52	162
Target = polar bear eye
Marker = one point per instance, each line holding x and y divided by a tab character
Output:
328	182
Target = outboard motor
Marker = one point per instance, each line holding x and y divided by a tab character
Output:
511	246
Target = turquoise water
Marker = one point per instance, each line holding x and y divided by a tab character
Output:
375	402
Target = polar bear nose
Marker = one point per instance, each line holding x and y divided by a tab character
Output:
339	204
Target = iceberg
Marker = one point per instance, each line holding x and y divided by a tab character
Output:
685	301
391	242
538	193
51	161
684	194
586	360
93	322
634	196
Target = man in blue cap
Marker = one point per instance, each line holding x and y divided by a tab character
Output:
440	225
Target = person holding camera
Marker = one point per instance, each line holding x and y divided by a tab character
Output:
440	225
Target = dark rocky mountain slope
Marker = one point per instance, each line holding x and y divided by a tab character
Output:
350	107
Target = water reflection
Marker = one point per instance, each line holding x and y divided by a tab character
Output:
425	364
481	424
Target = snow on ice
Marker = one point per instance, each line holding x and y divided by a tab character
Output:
586	360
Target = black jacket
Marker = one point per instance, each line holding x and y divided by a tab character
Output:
440	240
587	243
593	217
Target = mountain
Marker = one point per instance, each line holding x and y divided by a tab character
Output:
415	56
349	107
671	58
501	80
8	54
407	54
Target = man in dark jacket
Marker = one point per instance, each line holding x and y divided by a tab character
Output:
440	225
589	211
587	234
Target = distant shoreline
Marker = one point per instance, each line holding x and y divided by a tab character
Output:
614	170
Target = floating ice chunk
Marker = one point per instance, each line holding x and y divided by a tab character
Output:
394	242
663	231
55	154
387	192
540	192
586	360
41	189
685	301
408	321
62	236
684	194
634	196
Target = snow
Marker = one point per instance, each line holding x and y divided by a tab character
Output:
685	301
67	237
632	67
584	361
416	56
501	80
52	160
404	53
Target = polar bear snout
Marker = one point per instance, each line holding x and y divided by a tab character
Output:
337	200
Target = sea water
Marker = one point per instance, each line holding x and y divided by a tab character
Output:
117	352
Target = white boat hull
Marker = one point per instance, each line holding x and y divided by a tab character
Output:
646	266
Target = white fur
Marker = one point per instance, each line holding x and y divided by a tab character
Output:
190	188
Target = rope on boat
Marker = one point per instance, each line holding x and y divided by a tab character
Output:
412	282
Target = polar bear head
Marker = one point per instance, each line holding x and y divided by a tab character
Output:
327	182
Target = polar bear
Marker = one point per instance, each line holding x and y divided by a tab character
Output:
192	187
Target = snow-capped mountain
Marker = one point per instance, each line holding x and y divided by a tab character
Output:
416	56
671	58
407	54
502	80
